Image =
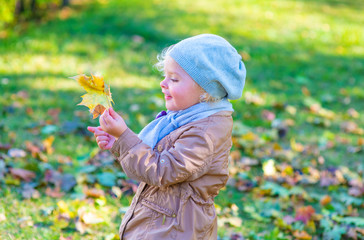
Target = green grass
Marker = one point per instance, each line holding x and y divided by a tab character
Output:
287	46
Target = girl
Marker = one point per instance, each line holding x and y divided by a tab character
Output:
180	158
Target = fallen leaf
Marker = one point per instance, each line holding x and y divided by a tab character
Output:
54	193
5	146
352	234
235	156
25	222
302	235
246	161
93	192
269	168
268	115
254	98
304	214
288	219
298	147
277	147
232	221
305	91
245	56
360	230
65	238
112	236
28	192
29	111
49	129
64	159
353	113
53	176
22	94
325	200
47	144
34	150
16	153
356	183
65	209
68	181
116	192
129	186
138	39
106	179
62	221
23	174
291	110
356	192
327	179
3	169
236	236
10	180
91	218
54	113
351	127
81	227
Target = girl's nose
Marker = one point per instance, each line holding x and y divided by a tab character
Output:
163	83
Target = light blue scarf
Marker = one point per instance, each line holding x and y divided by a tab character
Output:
166	122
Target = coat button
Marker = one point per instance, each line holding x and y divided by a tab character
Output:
160	148
162	160
174	215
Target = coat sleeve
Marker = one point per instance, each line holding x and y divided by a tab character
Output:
189	157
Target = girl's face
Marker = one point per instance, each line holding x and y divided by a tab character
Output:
180	90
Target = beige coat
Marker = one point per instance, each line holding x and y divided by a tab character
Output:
179	179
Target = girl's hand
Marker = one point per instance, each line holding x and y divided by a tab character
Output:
112	123
103	139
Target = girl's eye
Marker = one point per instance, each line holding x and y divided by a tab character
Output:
174	80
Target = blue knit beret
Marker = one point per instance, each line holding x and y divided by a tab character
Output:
213	63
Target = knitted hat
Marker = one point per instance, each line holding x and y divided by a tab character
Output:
213	63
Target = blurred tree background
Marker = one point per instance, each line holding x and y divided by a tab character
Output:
17	11
297	163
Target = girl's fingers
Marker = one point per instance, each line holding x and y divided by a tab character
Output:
92	129
103	145
100	133
109	145
113	114
102	138
102	120
107	117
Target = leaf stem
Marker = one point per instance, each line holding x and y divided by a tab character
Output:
107	93
108	101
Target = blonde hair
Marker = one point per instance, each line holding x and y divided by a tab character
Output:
205	97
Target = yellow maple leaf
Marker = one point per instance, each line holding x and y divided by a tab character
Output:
302	235
98	96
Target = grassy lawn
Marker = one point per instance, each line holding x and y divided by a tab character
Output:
302	108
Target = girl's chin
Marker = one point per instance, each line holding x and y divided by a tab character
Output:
171	108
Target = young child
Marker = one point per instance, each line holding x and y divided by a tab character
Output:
181	157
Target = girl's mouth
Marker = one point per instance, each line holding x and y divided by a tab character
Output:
166	96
